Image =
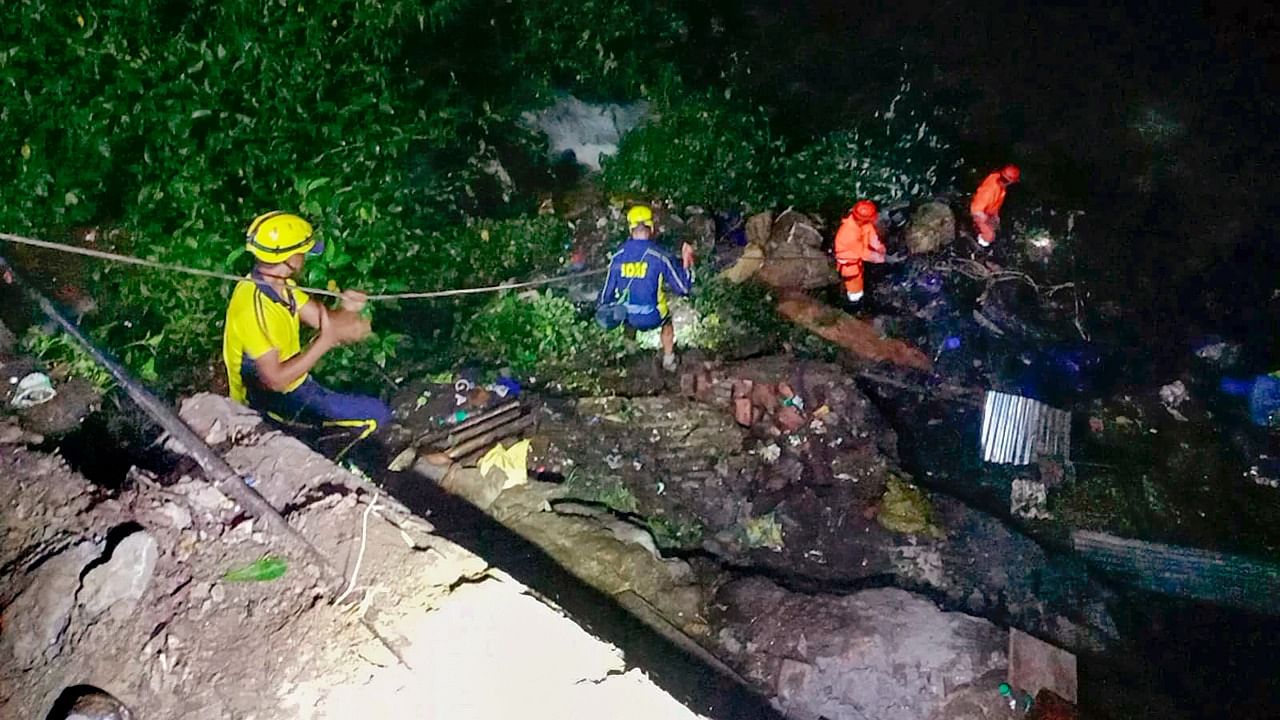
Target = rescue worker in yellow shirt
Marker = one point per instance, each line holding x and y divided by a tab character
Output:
267	367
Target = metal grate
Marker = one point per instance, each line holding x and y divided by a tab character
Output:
1018	430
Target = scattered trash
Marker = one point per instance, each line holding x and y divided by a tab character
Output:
32	390
423	398
1221	354
506	387
763	531
404	460
512	462
1029	499
950	343
770	453
1019	702
1173	395
1258	477
905	509
264	569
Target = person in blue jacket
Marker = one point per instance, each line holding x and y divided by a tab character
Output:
641	275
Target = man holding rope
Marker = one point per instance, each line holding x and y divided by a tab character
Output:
267	368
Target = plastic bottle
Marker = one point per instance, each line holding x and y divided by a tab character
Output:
1019	702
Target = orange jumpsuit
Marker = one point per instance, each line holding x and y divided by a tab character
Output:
856	242
985	208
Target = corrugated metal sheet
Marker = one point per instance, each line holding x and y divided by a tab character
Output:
1017	430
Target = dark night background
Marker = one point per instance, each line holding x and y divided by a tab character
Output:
1179	229
1179	232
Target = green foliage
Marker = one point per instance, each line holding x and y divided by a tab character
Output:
598	48
381	121
63	355
608	491
541	334
700	149
178	124
731	315
669	532
704	148
901	155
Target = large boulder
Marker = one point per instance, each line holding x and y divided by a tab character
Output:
882	653
932	227
795	259
123	577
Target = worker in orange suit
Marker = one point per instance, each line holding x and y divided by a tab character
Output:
857	241
985	207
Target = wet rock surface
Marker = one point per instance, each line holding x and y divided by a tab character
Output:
795	258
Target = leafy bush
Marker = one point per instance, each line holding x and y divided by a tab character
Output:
731	315
901	155
176	123
541	334
64	356
598	48
698	150
179	123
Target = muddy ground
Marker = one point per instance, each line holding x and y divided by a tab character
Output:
127	591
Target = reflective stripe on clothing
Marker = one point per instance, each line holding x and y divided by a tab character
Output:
986	227
314	405
258	321
641	274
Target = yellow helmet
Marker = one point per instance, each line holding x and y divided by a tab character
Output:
639	215
277	236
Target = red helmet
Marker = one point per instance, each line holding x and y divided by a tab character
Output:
1011	173
865	210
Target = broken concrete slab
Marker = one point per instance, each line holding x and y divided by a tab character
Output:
1035	665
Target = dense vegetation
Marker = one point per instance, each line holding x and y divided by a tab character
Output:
382	121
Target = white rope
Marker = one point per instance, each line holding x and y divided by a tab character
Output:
364	537
228	277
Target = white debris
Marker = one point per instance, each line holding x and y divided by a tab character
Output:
1029	499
